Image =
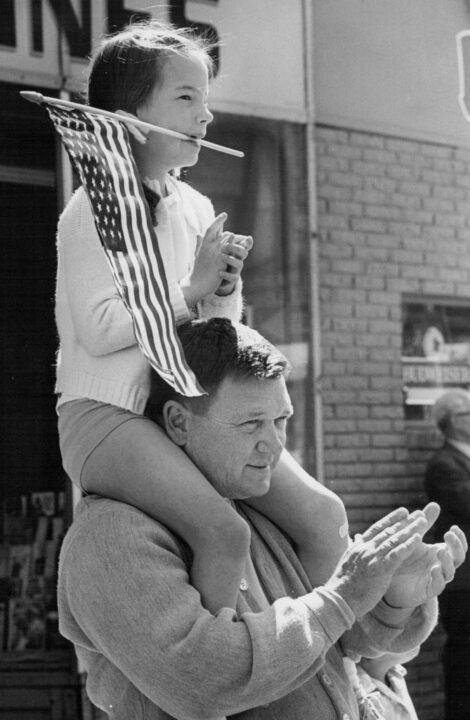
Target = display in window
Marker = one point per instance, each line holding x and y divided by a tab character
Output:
32	532
435	352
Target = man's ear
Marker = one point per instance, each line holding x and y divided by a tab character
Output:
175	421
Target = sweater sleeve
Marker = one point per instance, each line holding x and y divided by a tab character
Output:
145	618
387	629
226	306
100	319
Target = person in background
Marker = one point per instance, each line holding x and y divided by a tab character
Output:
447	481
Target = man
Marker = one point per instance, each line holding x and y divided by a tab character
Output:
152	651
447	481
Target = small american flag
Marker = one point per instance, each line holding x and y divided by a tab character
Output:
99	149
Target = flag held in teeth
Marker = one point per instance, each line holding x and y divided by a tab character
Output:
99	149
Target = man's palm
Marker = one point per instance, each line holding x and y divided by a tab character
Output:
421	576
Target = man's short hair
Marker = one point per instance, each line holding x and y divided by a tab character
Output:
216	349
447	405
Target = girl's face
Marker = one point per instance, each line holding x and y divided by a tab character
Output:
178	102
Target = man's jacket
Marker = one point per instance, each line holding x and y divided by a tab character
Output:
447	482
151	650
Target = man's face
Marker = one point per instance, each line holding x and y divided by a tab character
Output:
461	422
238	439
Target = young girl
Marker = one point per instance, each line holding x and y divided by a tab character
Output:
161	75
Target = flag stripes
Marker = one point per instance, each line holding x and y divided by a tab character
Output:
100	151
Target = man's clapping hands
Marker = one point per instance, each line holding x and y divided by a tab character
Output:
425	573
391	561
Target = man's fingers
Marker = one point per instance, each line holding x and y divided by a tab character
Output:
456	542
396	516
446	562
430	512
399	547
437	582
461	536
397	537
401	530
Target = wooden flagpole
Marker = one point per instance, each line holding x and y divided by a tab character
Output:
37	98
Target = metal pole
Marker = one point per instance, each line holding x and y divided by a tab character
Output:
314	285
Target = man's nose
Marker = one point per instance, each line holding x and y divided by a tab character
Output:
272	442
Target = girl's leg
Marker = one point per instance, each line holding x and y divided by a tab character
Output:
138	464
313	516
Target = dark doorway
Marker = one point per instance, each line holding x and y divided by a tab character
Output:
28	441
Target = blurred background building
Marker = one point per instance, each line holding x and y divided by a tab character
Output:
356	187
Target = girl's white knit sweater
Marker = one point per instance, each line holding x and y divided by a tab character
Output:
98	356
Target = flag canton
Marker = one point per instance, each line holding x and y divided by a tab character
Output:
88	157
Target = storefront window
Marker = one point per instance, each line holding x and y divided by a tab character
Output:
435	353
8	24
265	196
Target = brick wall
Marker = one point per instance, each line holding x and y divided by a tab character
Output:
394	220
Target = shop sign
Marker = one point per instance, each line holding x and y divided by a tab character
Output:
418	374
259	61
436	349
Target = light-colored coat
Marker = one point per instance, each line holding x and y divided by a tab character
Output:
152	651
